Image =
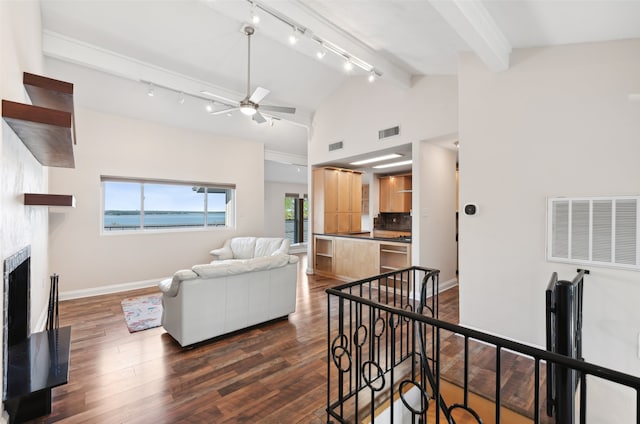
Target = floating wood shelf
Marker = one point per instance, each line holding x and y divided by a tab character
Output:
35	199
46	128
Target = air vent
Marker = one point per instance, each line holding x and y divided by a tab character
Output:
595	231
335	146
389	132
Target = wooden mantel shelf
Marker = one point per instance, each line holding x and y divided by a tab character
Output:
37	199
46	127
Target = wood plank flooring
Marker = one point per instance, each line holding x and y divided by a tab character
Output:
275	373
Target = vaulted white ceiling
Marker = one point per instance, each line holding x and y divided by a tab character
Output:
106	48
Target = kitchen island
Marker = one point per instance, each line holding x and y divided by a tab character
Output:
354	256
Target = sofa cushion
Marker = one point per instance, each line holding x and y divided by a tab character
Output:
243	247
267	246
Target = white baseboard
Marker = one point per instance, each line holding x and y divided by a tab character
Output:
446	285
114	288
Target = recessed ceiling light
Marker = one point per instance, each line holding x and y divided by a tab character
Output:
376	159
391	165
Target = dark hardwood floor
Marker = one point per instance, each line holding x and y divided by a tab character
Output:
275	373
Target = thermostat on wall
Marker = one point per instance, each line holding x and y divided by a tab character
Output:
470	209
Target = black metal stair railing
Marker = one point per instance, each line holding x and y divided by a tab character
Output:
387	350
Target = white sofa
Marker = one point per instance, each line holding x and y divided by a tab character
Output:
250	281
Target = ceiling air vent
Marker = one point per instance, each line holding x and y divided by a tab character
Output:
335	146
389	132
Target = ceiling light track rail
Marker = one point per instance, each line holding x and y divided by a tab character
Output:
325	45
152	85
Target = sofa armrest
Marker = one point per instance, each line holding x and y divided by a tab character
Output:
221	253
170	286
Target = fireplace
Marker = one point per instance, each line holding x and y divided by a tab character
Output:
17	288
34	363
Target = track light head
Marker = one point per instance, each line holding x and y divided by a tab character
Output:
293	38
372	76
348	65
151	92
321	52
209	107
254	17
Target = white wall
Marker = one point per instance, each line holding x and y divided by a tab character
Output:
558	122
20	50
358	110
274	194
110	145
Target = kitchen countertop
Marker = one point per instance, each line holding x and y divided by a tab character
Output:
367	235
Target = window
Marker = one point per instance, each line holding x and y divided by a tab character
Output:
296	218
595	231
150	205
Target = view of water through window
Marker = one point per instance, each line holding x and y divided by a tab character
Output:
143	205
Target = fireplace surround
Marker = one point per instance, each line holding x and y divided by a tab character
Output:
17	305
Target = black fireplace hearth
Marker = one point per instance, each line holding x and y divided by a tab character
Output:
34	363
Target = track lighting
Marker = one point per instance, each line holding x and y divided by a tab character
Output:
150	92
348	65
321	52
181	98
209	107
372	76
255	18
293	38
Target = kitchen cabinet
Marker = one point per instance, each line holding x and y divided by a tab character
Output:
323	257
395	193
353	258
337	200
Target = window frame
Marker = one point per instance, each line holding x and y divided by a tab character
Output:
230	206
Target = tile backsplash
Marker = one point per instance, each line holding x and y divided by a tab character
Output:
392	221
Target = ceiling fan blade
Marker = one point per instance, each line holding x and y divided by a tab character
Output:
282	109
259	94
259	118
223	111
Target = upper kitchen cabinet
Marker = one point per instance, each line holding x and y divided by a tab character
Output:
337	200
395	193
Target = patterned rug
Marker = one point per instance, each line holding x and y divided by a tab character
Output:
142	312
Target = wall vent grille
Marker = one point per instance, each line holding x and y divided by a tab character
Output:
335	146
595	231
389	132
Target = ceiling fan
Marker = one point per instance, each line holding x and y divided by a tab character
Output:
250	105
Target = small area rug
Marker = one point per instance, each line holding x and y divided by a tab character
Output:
142	312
